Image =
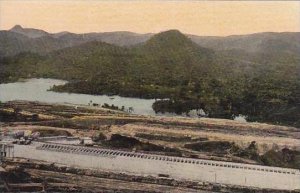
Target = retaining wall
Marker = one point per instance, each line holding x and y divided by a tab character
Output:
6	150
175	167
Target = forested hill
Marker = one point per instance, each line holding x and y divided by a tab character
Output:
288	42
19	39
264	85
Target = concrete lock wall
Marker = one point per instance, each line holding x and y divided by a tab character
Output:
6	150
174	167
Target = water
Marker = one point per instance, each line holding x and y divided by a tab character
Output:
36	90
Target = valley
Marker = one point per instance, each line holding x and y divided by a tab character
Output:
149	96
224	83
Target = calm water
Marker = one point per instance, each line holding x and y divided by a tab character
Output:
36	90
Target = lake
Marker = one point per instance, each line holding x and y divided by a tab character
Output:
37	90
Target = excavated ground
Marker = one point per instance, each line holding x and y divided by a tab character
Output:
205	138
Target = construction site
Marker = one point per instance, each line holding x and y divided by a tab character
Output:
68	148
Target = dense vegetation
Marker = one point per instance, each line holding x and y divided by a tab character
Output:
263	85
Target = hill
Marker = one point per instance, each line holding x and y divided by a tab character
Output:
19	39
288	42
29	32
13	43
166	60
173	58
264	85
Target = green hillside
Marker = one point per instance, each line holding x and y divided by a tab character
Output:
264	86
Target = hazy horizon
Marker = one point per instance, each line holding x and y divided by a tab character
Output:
151	32
202	18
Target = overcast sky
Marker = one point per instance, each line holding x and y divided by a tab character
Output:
193	17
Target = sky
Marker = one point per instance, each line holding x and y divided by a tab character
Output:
215	18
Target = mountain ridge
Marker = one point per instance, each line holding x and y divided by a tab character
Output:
29	32
257	42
